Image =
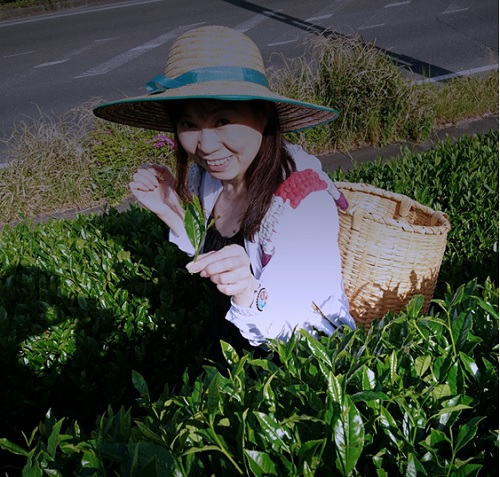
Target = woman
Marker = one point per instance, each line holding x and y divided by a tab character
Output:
272	254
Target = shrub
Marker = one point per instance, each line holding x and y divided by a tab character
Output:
416	395
88	303
84	302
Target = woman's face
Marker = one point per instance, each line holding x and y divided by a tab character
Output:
223	136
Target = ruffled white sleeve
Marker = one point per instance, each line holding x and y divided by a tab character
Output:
304	271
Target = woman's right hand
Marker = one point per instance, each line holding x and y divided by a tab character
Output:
153	187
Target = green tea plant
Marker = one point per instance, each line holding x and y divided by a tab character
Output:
84	302
102	332
413	396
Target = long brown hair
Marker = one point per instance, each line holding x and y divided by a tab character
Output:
272	165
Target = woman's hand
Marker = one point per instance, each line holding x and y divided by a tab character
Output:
153	187
229	269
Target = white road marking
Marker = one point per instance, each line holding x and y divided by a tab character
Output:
76	11
73	53
322	14
51	63
320	17
397	4
458	6
447	11
367	27
283	42
19	54
129	55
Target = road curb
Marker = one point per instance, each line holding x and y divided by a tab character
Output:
346	160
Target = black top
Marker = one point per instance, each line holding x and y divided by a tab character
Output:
215	241
221	328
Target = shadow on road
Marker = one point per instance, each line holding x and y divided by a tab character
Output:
408	63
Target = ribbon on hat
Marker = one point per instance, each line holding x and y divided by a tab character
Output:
161	83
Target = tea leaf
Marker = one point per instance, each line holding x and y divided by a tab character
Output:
349	435
11	447
422	364
415	468
194	225
273	432
467	432
214	397
260	463
140	384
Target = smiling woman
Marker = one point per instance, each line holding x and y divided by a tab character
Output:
272	255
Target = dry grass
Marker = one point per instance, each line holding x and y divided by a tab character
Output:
73	162
378	104
49	167
464	97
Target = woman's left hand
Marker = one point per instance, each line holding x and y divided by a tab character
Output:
229	269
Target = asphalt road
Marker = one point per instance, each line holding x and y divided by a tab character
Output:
55	62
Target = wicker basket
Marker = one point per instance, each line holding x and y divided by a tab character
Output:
391	248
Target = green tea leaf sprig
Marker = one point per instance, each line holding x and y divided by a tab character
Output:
194	223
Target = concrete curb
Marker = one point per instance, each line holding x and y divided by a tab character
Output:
346	160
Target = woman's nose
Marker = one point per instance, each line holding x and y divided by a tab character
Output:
208	141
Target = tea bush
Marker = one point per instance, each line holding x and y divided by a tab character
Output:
416	395
104	354
84	302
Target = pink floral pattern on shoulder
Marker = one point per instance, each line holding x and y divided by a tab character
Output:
299	185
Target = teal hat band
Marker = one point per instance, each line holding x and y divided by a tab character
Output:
161	83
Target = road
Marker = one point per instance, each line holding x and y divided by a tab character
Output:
55	62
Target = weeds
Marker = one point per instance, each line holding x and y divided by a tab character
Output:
7	5
48	167
73	162
464	97
378	105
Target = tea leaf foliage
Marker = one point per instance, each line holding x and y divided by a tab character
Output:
106	370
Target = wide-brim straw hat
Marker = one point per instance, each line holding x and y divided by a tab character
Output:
211	62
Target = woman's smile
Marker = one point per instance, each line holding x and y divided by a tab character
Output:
223	136
217	162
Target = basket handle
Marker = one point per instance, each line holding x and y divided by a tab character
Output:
357	218
405	206
437	217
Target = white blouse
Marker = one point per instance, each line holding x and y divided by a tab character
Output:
295	255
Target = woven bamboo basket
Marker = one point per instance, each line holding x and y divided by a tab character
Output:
391	248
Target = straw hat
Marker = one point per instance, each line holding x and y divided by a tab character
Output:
213	62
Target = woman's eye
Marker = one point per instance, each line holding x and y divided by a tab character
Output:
186	125
222	122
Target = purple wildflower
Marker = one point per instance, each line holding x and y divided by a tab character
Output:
161	140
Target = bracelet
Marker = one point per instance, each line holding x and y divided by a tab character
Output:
260	298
